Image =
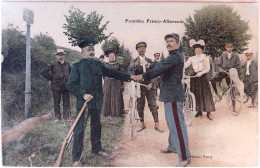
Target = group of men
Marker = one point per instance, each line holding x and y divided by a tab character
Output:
84	80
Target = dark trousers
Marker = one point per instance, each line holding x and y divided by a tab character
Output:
218	78
250	88
151	99
95	133
57	94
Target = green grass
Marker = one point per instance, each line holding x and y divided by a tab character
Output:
45	142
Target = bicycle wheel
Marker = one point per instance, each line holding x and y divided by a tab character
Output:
189	108
236	101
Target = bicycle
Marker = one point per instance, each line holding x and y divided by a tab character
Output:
189	109
234	96
134	92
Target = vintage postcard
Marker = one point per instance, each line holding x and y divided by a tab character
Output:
192	100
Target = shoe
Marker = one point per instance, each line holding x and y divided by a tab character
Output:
102	153
157	128
142	127
77	164
166	151
199	113
183	163
209	116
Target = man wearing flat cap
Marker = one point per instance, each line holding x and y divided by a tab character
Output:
226	61
139	66
172	94
57	73
85	82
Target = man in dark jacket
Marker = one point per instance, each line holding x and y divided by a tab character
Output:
226	61
85	82
137	67
251	78
57	73
172	94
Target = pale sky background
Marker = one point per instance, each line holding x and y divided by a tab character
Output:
49	17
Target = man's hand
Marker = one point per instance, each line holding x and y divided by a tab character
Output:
221	70
87	97
133	77
147	65
149	86
139	77
137	62
49	83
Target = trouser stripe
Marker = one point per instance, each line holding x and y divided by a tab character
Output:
179	131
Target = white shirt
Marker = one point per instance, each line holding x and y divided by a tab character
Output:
143	62
247	67
200	63
229	55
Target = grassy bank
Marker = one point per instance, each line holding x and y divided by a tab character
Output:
45	142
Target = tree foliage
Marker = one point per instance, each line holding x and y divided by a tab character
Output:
13	72
123	54
80	27
216	25
13	49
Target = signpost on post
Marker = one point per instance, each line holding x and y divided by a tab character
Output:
28	17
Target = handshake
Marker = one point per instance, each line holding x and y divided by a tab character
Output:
137	77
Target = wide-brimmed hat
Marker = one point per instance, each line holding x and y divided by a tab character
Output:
197	44
60	52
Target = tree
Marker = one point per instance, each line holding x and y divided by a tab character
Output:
123	54
217	25
13	49
80	27
162	57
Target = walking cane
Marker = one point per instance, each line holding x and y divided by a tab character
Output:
69	135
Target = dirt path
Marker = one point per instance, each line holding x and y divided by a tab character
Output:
226	141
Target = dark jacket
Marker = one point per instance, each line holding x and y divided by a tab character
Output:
58	74
253	71
139	70
86	78
226	64
170	71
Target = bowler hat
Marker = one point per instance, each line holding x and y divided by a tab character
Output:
60	52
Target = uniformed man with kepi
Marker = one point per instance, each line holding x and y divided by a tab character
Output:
137	67
85	82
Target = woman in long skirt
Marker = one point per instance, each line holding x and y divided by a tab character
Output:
113	98
200	84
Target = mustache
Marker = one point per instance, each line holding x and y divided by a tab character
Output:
169	46
92	54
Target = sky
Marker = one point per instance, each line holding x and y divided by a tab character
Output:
49	18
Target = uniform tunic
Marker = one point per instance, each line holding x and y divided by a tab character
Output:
86	78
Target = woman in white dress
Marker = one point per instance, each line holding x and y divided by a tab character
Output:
200	84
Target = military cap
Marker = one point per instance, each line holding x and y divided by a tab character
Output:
60	52
249	53
229	44
174	35
87	42
141	44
